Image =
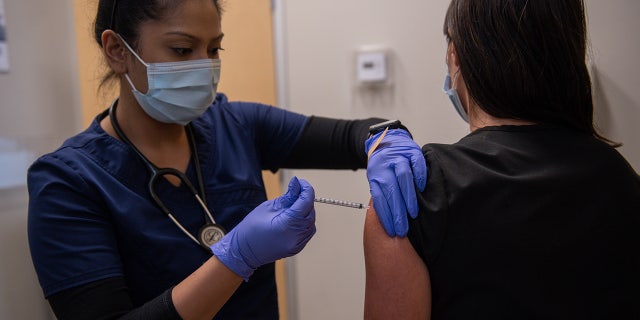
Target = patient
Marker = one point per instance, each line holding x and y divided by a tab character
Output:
533	215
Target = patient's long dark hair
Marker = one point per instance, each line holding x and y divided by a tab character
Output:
525	59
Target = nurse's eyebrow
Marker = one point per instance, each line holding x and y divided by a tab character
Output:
180	33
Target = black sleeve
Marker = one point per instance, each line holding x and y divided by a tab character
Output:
331	144
427	231
109	299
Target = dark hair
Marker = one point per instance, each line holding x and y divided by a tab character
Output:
126	16
525	59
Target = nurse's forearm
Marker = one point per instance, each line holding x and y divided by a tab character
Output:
205	291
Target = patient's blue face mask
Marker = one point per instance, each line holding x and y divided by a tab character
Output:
455	98
178	92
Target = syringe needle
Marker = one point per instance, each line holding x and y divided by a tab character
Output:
355	205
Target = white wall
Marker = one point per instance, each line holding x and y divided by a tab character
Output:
615	42
38	109
317	44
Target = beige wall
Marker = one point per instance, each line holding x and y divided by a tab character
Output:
91	67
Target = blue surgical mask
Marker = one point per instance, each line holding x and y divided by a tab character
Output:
178	92
455	98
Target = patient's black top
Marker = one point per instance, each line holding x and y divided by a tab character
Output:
530	222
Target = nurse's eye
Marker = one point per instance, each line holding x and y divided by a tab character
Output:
215	51
182	51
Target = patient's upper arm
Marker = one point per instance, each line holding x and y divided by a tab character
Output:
397	281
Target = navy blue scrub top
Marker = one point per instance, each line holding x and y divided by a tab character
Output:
91	216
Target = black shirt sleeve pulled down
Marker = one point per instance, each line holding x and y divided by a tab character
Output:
109	299
331	144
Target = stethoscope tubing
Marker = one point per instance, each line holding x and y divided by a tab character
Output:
156	173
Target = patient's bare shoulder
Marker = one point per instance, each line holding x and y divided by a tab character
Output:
397	281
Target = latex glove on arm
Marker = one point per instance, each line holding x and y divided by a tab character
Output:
395	169
275	229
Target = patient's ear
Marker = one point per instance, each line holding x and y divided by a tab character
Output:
452	56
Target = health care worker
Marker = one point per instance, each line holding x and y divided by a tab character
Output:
124	217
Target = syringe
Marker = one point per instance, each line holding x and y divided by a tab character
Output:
355	205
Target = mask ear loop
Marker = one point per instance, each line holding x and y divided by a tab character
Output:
126	75
453	80
455	77
132	51
466	93
446	61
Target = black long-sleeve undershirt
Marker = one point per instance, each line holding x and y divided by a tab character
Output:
331	144
109	299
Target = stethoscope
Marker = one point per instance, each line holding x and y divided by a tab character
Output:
208	234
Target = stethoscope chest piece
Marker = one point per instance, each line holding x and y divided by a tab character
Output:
209	234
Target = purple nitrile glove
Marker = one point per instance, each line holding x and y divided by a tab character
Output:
276	229
395	169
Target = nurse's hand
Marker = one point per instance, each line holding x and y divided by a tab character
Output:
275	229
394	170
